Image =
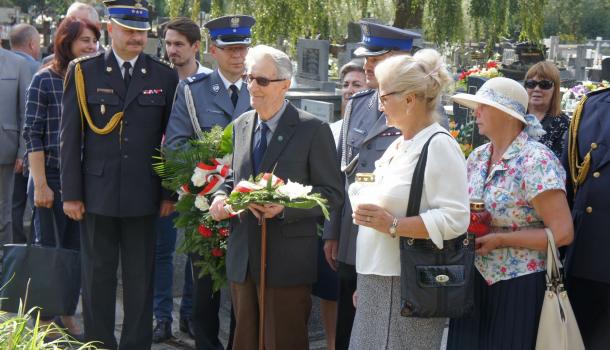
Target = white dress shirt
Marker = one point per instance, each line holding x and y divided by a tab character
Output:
444	206
120	61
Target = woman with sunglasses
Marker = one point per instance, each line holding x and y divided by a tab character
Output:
542	85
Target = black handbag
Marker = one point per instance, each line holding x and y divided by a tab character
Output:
434	282
44	277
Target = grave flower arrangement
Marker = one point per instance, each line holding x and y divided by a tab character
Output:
572	95
490	70
195	172
463	134
268	188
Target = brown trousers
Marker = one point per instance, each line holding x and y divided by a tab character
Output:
287	312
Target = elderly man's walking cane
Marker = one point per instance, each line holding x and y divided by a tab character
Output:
262	285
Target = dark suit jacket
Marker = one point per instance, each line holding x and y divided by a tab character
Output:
114	176
302	149
587	257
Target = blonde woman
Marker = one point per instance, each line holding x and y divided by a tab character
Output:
409	89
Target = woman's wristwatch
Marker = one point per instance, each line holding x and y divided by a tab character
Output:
393	227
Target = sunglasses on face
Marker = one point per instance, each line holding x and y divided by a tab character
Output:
544	84
249	78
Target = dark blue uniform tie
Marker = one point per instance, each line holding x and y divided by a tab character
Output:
234	94
127	75
259	149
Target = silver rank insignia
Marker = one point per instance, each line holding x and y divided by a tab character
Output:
234	22
215	87
108	69
103	109
143	70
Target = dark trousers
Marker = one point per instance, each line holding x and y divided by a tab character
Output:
163	301
206	305
345	305
287	312
47	220
591	303
103	240
20	197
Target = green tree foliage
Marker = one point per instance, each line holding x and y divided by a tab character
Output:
576	20
443	21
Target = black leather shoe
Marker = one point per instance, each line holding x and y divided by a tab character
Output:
186	326
163	331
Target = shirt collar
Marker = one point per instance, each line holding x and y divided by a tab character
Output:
202	69
120	61
275	120
227	83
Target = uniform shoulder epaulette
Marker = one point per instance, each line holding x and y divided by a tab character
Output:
362	93
88	57
593	93
197	77
162	61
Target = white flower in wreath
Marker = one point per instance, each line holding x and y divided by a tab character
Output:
202	203
199	177
294	190
226	160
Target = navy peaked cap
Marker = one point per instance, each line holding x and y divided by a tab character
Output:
378	39
231	30
131	14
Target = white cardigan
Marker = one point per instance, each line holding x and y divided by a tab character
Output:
444	207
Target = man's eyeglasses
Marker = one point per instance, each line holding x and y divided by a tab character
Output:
248	78
544	84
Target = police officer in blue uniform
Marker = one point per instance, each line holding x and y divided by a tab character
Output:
116	106
364	138
586	159
202	102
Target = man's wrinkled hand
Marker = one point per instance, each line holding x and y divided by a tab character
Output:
74	209
218	208
265	211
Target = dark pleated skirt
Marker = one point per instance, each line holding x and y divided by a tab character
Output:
506	315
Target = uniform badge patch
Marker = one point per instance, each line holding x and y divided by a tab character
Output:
215	87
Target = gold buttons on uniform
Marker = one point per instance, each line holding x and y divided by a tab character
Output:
593	145
596	174
589	210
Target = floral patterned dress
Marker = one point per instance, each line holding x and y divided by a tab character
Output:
507	187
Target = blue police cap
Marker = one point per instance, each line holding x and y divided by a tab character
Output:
131	14
231	30
378	39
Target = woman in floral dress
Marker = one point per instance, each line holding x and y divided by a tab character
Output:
523	186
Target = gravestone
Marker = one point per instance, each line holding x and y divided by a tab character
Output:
580	62
553	48
605	69
322	110
463	115
347	55
312	58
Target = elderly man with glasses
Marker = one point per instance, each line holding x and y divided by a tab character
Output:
294	145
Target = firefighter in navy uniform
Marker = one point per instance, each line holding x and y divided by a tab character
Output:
364	138
116	106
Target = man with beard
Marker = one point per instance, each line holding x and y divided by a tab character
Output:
182	42
217	99
115	109
364	138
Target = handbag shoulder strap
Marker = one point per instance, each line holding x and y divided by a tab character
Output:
553	274
417	183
